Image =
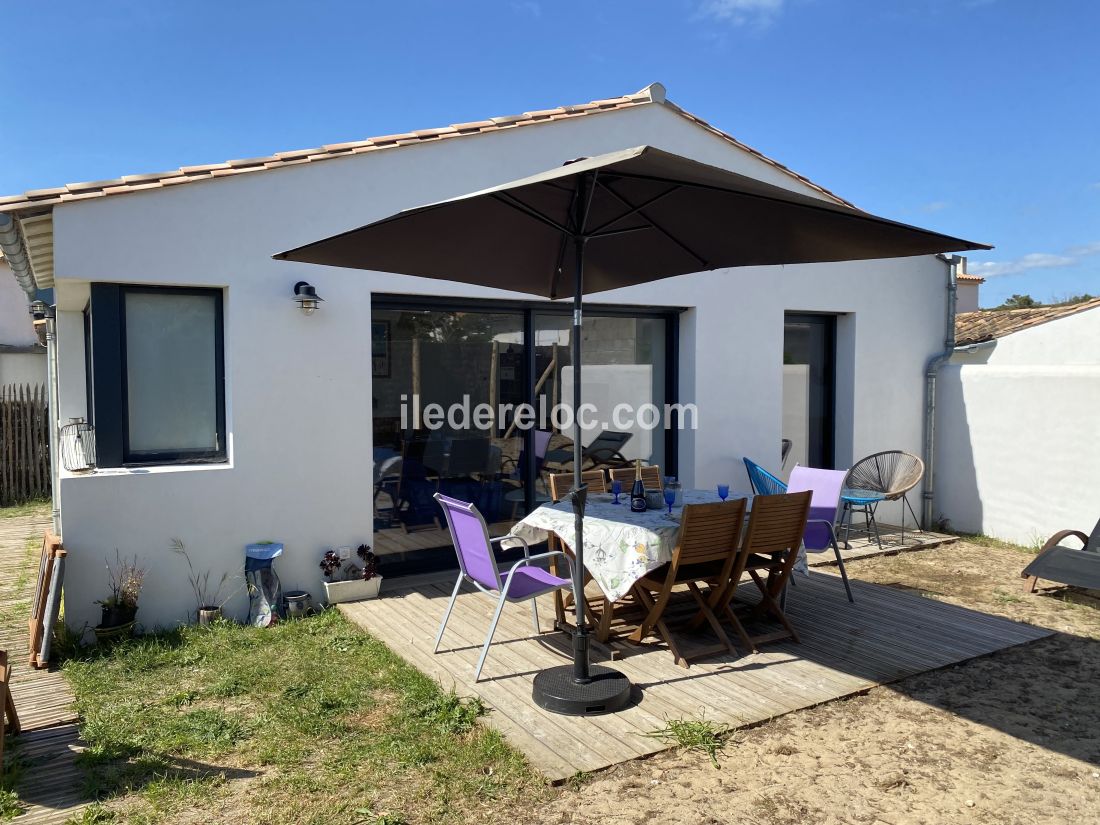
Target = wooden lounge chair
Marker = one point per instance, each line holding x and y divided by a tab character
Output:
1065	565
651	477
706	551
776	526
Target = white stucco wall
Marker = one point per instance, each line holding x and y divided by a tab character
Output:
16	324
1017	455
298	389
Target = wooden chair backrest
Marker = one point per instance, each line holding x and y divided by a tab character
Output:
777	522
651	477
561	484
709	532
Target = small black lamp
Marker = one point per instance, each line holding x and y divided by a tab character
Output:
307	298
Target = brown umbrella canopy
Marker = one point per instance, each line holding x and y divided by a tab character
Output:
649	215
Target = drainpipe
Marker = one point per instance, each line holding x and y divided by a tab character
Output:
51	400
931	372
11	243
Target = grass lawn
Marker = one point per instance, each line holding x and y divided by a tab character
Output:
310	721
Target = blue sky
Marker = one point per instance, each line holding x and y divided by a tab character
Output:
978	118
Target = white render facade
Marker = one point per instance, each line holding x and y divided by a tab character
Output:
298	389
1017	452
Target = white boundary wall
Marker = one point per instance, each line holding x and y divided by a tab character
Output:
1018	429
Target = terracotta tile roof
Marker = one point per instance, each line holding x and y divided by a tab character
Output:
655	93
987	324
973	279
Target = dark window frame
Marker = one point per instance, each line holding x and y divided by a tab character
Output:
827	321
109	403
527	310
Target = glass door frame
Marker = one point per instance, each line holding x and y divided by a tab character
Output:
828	322
529	310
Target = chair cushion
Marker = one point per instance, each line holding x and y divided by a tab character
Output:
530	580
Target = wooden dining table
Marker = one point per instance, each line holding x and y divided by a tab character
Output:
620	546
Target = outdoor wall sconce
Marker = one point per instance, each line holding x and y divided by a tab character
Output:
307	298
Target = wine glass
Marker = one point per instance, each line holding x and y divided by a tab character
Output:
616	490
723	491
670	499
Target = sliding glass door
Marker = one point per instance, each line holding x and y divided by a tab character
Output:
809	353
465	392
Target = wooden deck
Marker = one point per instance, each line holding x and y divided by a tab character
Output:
50	785
846	648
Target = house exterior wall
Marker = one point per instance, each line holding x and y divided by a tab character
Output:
967	296
1017	453
298	389
17	334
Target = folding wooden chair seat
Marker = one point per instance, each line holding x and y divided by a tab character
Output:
706	551
770	547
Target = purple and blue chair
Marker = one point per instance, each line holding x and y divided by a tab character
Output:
525	581
820	534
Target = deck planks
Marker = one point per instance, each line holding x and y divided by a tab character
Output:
50	786
886	635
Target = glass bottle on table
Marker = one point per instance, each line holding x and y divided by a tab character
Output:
637	492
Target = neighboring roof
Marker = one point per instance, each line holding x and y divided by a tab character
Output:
987	324
966	277
653	94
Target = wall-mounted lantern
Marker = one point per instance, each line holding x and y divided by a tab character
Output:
78	446
306	297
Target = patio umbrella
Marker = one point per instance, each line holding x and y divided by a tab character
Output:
600	223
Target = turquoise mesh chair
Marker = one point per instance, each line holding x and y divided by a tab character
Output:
763	483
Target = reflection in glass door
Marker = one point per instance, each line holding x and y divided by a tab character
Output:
809	353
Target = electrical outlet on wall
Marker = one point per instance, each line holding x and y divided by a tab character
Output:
344	552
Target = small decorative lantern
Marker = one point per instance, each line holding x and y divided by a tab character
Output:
78	446
307	298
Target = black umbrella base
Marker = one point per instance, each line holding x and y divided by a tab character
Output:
608	692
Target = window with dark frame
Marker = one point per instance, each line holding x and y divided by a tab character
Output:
157	374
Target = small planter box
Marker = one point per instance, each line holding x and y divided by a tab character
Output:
352	591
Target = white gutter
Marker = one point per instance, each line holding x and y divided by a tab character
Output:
931	372
15	252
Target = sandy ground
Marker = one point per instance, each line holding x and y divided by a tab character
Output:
1009	738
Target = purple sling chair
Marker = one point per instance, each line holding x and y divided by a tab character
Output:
820	535
477	565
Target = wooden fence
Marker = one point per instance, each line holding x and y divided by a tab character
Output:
24	443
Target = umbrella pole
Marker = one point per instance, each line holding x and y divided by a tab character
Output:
580	689
580	637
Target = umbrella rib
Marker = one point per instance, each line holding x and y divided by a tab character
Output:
657	226
529	211
632	211
611	232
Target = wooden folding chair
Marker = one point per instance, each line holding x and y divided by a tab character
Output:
561	484
651	477
771	543
706	551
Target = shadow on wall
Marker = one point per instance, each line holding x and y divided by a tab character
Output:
957	497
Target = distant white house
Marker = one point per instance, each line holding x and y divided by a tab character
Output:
22	357
1018	452
224	415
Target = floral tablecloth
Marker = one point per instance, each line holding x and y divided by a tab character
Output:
619	546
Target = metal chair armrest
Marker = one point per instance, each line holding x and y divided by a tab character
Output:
538	557
510	537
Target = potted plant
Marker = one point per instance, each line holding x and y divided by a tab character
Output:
350	582
120	607
208	605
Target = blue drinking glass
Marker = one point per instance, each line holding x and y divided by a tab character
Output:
616	489
723	491
670	499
